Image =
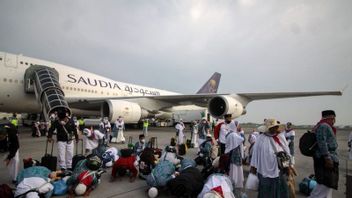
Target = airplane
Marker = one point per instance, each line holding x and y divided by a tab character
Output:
30	85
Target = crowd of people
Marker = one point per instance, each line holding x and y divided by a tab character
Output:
221	148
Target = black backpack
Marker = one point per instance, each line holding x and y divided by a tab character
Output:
308	144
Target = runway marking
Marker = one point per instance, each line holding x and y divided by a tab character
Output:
127	191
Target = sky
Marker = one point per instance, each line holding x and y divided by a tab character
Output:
257	46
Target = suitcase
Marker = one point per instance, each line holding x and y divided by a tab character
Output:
182	149
48	160
130	142
77	157
189	144
153	144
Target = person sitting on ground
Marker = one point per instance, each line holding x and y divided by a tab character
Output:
125	162
140	145
189	182
217	186
170	153
147	162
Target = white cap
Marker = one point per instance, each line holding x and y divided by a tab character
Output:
109	164
153	192
80	189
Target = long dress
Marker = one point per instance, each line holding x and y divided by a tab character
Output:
120	127
194	140
180	138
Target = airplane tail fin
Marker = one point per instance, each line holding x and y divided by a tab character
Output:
211	86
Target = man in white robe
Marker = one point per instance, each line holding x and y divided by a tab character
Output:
264	161
91	139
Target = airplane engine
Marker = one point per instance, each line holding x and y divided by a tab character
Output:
222	105
131	112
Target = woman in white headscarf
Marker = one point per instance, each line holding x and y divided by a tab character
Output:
234	147
180	135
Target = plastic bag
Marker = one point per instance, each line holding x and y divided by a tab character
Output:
252	182
60	187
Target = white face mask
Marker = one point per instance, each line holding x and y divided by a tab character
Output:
143	141
62	122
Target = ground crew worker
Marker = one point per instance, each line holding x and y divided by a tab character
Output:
145	127
14	120
81	123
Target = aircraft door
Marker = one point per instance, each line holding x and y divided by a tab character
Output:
10	60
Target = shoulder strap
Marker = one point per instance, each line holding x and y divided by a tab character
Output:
272	142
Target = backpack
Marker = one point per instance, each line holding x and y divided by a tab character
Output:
217	130
308	144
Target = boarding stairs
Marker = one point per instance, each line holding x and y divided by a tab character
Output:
43	81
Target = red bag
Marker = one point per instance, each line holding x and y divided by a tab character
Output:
217	130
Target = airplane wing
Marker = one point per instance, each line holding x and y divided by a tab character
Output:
194	99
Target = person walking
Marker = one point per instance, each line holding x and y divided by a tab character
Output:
66	131
326	160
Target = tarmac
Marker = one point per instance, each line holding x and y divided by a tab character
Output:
35	147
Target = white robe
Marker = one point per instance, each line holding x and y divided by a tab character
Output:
120	125
264	158
216	180
195	136
14	166
33	182
180	138
234	140
91	144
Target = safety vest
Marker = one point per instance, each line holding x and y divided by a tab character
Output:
14	121
81	122
145	124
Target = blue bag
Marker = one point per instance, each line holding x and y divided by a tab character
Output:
307	185
60	187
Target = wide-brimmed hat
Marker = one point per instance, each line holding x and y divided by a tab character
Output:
270	123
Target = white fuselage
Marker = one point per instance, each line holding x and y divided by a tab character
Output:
75	83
